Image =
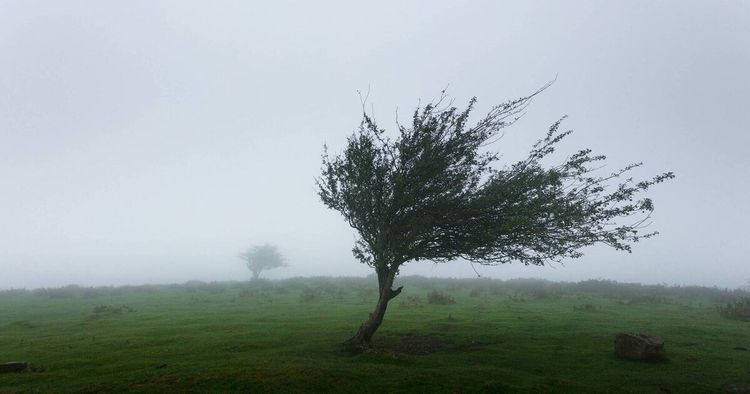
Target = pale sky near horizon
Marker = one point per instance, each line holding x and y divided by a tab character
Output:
153	141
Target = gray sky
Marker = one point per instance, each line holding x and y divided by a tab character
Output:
150	142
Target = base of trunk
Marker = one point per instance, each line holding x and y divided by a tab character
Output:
361	341
356	345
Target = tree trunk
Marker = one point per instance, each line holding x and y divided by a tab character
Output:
256	274
362	339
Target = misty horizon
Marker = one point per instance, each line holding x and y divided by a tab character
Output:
153	143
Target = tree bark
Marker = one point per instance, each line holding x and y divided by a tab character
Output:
256	274
362	340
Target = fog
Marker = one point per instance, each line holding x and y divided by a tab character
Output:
153	142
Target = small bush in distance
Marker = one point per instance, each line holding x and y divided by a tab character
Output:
439	298
412	301
736	310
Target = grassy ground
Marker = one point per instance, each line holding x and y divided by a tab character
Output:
283	337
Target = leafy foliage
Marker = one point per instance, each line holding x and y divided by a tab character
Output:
262	257
433	193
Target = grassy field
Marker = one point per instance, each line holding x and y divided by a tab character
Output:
512	336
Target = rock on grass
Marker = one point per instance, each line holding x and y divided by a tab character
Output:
639	347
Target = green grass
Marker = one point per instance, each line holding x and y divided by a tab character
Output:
211	339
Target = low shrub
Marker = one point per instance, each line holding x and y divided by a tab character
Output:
736	310
439	298
412	301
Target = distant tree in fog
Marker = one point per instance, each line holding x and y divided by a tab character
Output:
262	257
431	192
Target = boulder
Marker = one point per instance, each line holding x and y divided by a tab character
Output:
639	347
14	366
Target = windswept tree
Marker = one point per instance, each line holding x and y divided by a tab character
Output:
262	257
432	191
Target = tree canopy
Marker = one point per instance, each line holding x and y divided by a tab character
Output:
433	191
262	257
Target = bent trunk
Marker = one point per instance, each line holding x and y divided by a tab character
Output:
362	339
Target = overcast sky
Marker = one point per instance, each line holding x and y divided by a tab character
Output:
151	142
